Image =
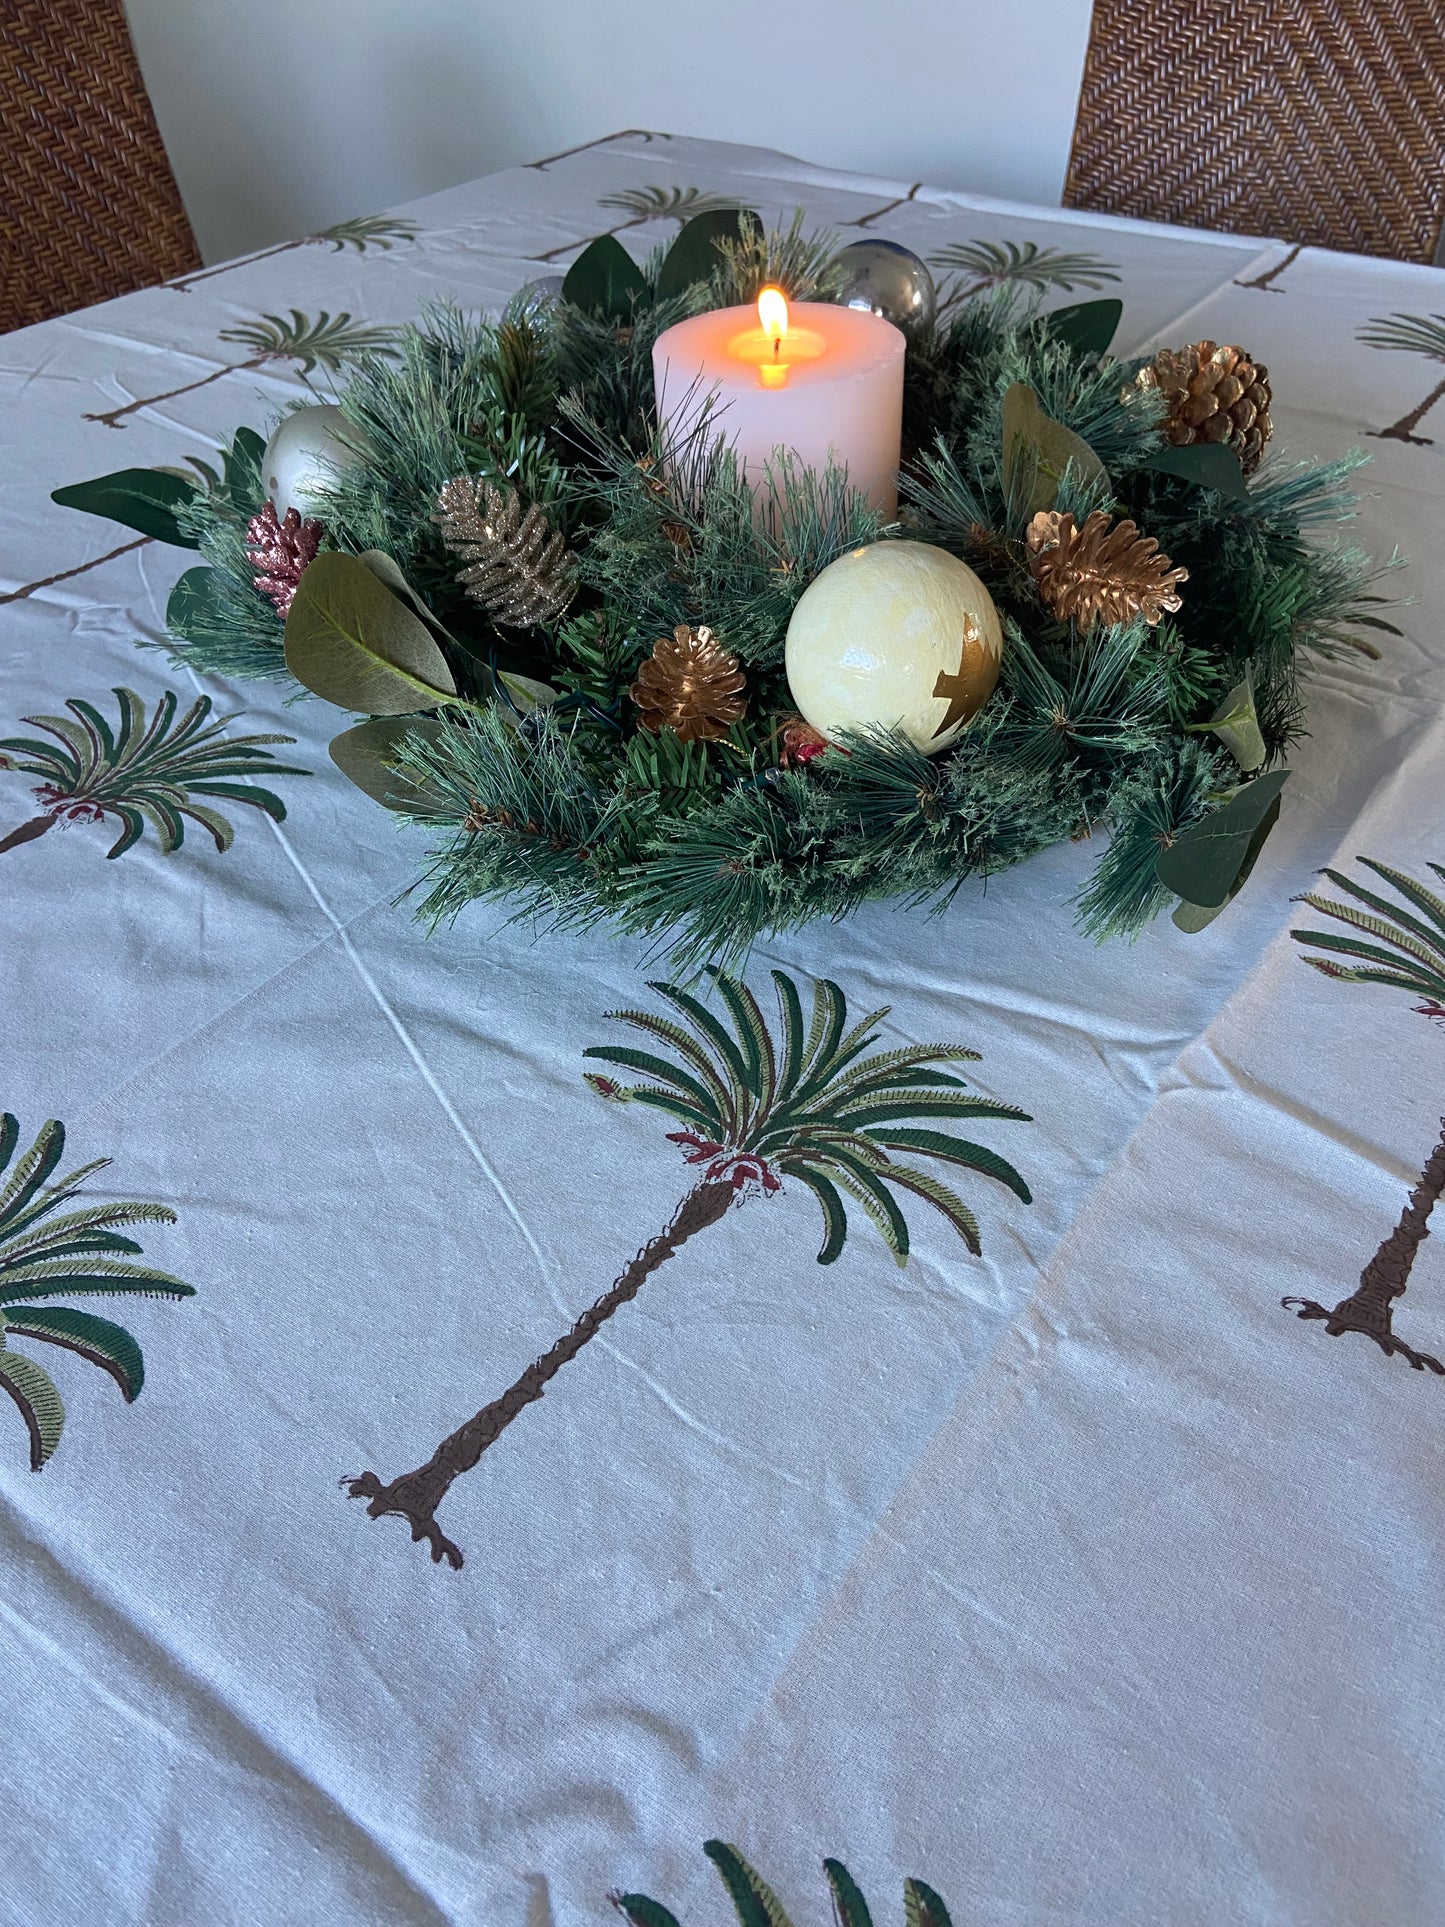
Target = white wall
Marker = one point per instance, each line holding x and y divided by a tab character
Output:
283	115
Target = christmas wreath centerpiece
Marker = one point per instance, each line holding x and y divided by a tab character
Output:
593	654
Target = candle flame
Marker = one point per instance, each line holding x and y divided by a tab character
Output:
773	314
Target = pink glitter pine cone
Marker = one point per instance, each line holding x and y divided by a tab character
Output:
281	552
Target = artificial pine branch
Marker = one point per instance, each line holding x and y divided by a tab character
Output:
1148	811
597	657
679	540
803	265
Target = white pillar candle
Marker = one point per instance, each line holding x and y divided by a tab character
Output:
817	380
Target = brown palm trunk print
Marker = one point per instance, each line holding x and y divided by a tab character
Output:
49	581
416	1495
112	416
1370	1308
603	140
1264	280
1402	430
632	221
877	213
27	833
183	283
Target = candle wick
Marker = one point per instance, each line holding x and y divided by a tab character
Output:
777	343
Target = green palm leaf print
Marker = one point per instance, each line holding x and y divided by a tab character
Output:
666	203
756	1905
143	771
326	342
991	264
1396	947
50	1245
816	1106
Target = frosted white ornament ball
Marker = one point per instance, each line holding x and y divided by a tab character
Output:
899	635
307	451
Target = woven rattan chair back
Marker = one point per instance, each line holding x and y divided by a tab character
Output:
88	203
1318	121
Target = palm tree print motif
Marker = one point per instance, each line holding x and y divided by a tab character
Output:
47	1249
644	204
754	1112
756	1905
1413	334
142	772
327	342
1402	947
366	232
992	264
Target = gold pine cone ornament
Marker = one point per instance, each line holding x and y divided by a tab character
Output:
691	685
1105	571
1214	394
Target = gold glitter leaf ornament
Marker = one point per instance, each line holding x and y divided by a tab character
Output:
519	568
691	685
1105	571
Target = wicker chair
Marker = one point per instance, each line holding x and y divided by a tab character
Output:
1318	121
88	204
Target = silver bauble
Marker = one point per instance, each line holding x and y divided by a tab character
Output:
308	450
544	292
887	279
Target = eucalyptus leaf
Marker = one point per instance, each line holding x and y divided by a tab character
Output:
248	445
190	601
693	256
604	279
387	571
524	691
366	753
1207	863
350	640
1193	917
1206	464
1236	724
1085	326
138	498
1036	451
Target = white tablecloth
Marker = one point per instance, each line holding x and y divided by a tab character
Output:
1080	1579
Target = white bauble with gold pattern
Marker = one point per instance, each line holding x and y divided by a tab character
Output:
895	636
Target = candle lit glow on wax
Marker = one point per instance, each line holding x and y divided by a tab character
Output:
815	379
